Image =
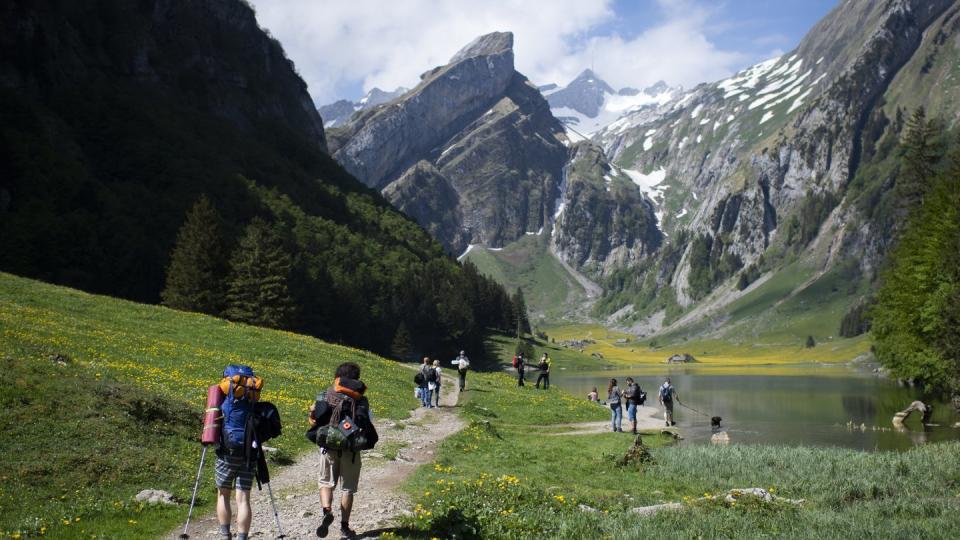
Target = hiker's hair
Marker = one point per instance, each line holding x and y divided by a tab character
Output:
629	379
613	382
436	362
426	359
594	389
668	380
348	370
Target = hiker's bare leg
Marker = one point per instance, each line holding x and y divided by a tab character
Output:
244	515
223	506
326	497
346	505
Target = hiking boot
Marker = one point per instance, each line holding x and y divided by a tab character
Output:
673	423
346	532
668	424
324	527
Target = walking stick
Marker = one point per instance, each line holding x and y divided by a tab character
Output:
196	484
276	516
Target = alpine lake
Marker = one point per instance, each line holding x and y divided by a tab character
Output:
794	405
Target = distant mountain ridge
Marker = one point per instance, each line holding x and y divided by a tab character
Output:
588	104
339	112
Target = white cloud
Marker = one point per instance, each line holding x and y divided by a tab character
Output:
339	44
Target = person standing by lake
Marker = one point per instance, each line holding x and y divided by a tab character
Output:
519	364
631	395
463	364
613	401
666	395
544	367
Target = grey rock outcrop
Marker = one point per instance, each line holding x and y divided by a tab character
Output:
474	155
584	94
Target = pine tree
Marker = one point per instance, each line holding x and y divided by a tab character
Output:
197	268
921	155
259	292
401	346
520	310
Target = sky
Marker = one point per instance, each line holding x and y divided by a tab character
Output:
344	48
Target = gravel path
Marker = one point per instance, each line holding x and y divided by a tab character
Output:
379	502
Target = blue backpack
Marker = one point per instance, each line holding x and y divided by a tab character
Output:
242	389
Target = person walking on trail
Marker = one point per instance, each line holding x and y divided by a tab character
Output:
631	396
613	401
666	395
519	364
342	427
463	364
544	367
424	382
237	454
436	384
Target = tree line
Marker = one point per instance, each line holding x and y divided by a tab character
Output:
391	303
916	315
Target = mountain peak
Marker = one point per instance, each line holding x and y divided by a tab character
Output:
486	45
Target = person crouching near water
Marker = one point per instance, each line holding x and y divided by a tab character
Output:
613	400
666	395
593	395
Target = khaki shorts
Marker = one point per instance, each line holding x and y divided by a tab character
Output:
342	468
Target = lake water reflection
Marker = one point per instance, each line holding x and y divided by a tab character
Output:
791	405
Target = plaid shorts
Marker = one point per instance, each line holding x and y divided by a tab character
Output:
234	468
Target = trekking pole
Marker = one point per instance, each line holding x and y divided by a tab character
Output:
203	456
276	516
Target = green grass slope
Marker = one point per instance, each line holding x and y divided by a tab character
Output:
549	290
123	413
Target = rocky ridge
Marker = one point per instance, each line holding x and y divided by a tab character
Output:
762	160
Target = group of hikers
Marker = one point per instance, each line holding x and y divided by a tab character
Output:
428	379
633	397
237	424
544	365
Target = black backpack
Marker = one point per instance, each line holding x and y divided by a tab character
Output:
418	379
432	375
266	421
344	429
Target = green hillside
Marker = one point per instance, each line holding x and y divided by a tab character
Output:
550	291
121	411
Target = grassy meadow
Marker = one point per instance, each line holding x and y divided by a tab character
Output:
122	412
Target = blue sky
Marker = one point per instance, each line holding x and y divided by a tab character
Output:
753	26
343	49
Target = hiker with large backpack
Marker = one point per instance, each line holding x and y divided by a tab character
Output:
463	365
633	396
245	424
666	395
342	428
544	367
520	365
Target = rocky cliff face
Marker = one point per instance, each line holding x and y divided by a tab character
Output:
763	159
603	222
475	156
179	47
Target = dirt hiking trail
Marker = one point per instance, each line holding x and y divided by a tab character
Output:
376	505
